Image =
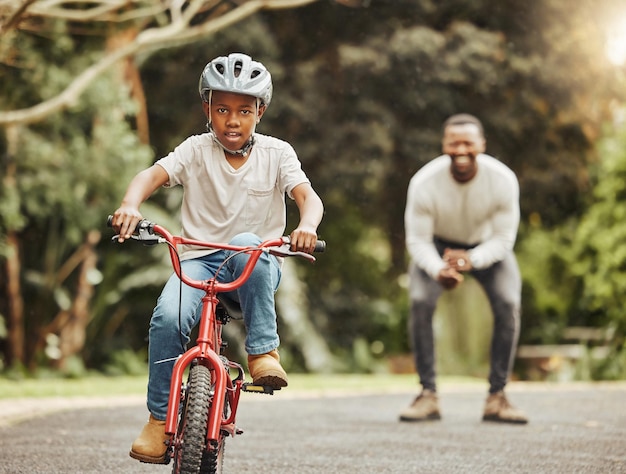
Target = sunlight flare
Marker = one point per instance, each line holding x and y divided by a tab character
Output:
616	44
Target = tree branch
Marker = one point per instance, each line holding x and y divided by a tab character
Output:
55	8
15	16
174	34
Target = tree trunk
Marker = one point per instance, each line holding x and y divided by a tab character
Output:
130	75
13	266
73	324
15	306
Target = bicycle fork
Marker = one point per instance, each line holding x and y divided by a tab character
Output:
225	390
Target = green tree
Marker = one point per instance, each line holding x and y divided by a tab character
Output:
365	114
76	131
60	178
598	255
360	93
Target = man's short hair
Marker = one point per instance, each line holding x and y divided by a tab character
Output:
463	119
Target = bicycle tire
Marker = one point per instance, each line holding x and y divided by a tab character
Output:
193	422
213	460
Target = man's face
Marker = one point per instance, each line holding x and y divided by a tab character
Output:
233	117
463	143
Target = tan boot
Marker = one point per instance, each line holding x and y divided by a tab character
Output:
265	369
498	408
424	408
150	446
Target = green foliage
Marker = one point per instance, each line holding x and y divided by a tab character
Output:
361	94
613	367
599	250
70	171
575	274
67	172
133	276
365	112
126	362
548	284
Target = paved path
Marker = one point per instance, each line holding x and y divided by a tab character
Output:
574	428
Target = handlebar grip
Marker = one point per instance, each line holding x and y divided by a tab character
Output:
110	221
320	246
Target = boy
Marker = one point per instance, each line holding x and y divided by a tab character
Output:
235	182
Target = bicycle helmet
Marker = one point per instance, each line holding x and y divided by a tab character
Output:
236	73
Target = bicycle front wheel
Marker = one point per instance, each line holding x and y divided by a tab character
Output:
213	459
193	423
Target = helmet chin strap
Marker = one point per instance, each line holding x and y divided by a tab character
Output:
244	150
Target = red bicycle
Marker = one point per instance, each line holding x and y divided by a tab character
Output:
201	412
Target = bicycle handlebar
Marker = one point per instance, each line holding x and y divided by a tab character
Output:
151	234
145	232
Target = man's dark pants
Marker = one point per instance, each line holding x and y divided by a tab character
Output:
502	285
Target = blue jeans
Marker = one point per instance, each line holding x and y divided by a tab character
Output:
502	284
256	297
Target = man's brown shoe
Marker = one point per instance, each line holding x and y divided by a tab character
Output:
150	446
424	408
498	408
265	369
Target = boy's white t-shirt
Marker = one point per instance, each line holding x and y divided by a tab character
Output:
220	202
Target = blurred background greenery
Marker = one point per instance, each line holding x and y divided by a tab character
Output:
92	93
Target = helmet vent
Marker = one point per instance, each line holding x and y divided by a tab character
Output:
238	68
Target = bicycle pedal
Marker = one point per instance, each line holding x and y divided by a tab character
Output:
250	387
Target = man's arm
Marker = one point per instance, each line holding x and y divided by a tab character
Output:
304	237
126	217
419	228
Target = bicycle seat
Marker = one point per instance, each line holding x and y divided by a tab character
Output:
231	306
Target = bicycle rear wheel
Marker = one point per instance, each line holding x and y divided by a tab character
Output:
192	428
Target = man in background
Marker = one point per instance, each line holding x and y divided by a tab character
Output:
462	216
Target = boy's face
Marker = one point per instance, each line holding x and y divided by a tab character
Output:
233	117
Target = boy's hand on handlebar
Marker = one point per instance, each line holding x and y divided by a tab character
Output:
124	222
303	240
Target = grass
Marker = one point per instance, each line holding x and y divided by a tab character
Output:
100	385
88	386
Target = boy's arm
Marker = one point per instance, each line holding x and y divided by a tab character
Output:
304	237
126	217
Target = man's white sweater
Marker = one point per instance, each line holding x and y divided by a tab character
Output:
482	213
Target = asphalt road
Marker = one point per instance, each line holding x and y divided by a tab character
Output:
579	428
